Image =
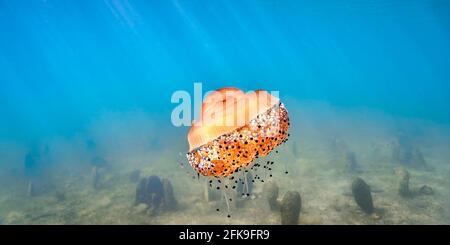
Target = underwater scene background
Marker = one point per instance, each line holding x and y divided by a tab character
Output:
85	105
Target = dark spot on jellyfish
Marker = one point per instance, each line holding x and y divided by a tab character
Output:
231	200
218	188
229	216
270	176
234	187
253	180
226	186
262	180
286	172
217	210
248	194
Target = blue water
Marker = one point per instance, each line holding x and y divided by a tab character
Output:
85	100
62	63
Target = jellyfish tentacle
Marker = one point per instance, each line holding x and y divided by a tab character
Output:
224	191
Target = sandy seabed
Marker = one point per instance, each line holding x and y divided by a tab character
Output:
316	170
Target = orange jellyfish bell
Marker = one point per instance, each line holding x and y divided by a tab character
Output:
233	129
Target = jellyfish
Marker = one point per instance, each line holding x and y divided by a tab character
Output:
234	129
